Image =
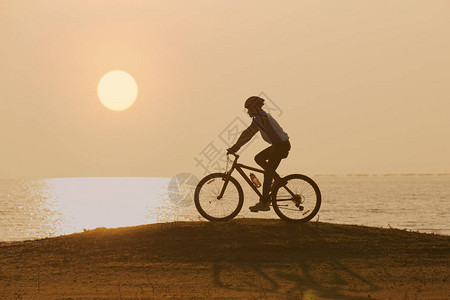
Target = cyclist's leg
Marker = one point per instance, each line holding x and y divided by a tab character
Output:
262	157
279	151
269	174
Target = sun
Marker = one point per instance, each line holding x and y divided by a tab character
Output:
117	90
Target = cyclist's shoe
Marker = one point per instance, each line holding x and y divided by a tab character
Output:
277	183
260	206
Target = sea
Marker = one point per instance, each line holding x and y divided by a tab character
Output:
40	208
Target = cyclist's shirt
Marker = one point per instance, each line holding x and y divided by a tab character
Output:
270	130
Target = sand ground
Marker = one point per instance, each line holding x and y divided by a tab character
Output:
243	258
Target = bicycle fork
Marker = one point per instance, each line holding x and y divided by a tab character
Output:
227	179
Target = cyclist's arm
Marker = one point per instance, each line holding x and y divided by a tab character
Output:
245	136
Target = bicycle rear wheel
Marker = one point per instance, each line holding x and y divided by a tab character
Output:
207	202
298	200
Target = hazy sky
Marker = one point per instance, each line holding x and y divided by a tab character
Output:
363	85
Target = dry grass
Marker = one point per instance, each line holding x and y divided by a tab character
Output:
244	258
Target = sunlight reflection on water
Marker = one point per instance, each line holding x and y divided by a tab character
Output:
113	202
51	207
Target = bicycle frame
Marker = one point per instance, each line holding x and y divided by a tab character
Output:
239	167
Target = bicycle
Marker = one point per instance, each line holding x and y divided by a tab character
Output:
219	196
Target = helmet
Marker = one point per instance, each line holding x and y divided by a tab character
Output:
254	101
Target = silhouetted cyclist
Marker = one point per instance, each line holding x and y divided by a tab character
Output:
270	158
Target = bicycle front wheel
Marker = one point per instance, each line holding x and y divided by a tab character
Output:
297	200
207	202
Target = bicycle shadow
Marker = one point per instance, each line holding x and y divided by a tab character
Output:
302	279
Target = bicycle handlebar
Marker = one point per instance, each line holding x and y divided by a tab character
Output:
234	154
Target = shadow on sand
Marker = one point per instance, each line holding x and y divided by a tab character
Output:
306	276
